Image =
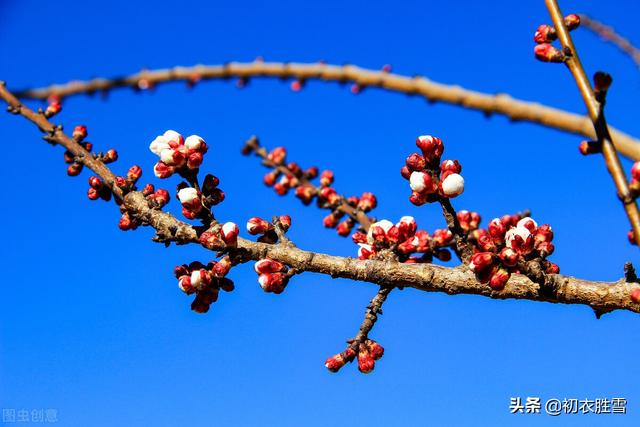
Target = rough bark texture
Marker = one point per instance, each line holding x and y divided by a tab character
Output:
503	104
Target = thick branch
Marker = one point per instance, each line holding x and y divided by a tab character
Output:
597	117
503	104
601	296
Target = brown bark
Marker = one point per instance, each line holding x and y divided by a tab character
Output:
502	104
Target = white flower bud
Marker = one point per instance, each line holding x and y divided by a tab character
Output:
516	231
172	135
453	185
159	144
193	142
187	195
417	181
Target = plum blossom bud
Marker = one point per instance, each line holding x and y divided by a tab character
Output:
499	279
184	283
110	156
258	225
194	160
376	350
365	251
415	162
96	183
545	34
635	171
509	257
407	226
366	363
481	261
161	197
194	142
405	172
345	227
277	155
572	21
79	132
546	53
367	202
211	241
272	282
148	190
326	178
552	268
268	265
421	182
486	244
229	233
134	173
450	166
162	170
52	109
359	237
442	237
158	145
74	169
497	229
635	295
590	147
93	194
418	199
172	157
545	248
519	239
126	223
189	198
528	223
173	137
431	147
199	278
453	185
379	229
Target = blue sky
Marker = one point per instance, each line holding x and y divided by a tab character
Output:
93	325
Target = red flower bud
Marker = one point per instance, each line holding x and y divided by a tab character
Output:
268	265
162	170
375	349
330	221
53	108
74	169
134	173
211	241
415	162
277	155
499	279
366	363
545	34
311	172
359	237
126	223
93	194
184	283
270	178
229	233
305	193
481	261
635	295
272	282
405	172
546	53
345	227
148	190
451	166
95	182
79	133
194	160
367	202
110	156
509	257
431	147
222	267
572	21
258	225
326	178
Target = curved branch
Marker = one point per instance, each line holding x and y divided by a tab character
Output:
502	104
610	35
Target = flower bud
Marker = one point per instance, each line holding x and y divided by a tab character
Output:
545	34
211	241
509	257
442	237
415	162
184	283
590	147
74	169
365	251
79	133
53	108
305	193
161	197
431	147
194	160
196	143
345	227
95	182
190	199
148	189
418	199
126	223
497	229
499	279
93	194
222	267
405	172
173	138
453	185
421	182
451	166
366	363
546	53
162	170
635	295
359	237
277	155
375	349
326	178
172	157
268	265
229	233
272	282
572	21
481	261
257	226
134	173
110	156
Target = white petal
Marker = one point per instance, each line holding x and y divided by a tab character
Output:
453	185
172	135
193	142
187	195
158	144
416	181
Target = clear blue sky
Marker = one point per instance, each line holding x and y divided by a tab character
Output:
92	322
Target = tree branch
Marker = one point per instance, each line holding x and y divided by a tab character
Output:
502	104
596	114
609	34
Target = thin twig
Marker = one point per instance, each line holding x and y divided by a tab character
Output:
609	34
597	117
502	104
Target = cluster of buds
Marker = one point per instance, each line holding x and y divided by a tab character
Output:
177	155
75	167
198	204
220	236
257	226
127	222
273	276
157	198
403	239
428	177
98	189
205	281
290	176
546	34
367	353
507	243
